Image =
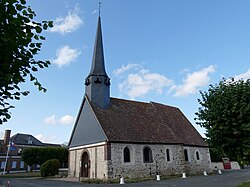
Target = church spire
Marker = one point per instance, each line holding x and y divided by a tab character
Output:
98	83
98	67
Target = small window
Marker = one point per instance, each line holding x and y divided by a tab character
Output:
197	155
186	154
168	154
2	164
30	140
147	155
126	154
13	165
22	164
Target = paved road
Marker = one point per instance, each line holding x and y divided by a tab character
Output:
230	178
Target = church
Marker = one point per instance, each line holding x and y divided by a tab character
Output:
114	137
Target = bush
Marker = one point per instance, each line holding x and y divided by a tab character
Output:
39	155
50	168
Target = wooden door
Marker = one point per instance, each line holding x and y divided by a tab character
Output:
85	166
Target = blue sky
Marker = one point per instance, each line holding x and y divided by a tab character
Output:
161	51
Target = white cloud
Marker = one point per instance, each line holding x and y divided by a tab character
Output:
45	139
126	68
1	135
32	24
141	83
94	11
243	76
67	119
68	24
64	120
50	120
65	55
193	82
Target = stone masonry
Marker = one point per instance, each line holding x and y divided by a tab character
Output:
176	165
115	167
98	166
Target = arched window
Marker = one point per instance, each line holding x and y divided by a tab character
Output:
147	155
168	154
126	154
186	154
197	155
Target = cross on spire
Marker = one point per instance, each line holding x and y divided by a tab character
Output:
97	82
99	8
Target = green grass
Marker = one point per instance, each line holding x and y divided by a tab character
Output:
244	184
21	175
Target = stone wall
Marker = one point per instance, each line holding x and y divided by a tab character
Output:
195	165
116	167
137	168
98	166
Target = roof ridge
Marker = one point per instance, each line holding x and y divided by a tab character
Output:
163	104
22	134
129	100
150	102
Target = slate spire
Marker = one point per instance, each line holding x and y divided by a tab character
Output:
98	67
98	83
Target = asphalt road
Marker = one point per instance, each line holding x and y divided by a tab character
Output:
229	178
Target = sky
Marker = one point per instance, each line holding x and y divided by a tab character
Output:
155	50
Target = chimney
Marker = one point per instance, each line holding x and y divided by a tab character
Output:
6	137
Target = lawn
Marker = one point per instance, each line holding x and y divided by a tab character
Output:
21	175
244	184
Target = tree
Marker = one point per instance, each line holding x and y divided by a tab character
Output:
50	168
65	144
225	114
37	155
20	40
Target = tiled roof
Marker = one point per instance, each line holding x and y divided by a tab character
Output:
26	139
139	122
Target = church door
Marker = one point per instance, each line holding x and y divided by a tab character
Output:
85	166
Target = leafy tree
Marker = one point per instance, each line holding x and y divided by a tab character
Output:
225	114
50	168
37	155
65	144
20	40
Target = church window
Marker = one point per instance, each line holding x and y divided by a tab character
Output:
197	155
147	155
87	82
107	81
186	154
168	154
126	154
97	80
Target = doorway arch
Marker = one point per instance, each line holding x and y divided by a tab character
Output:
85	165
